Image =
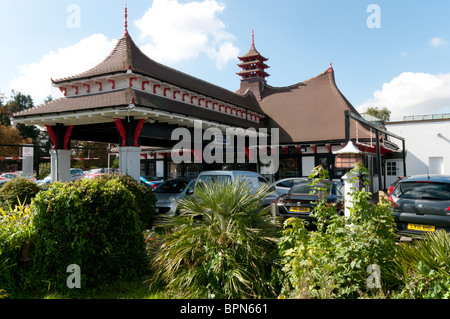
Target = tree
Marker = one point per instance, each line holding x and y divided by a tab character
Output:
382	113
20	102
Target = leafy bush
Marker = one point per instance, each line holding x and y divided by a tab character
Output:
144	196
15	237
221	245
422	267
90	223
17	190
333	261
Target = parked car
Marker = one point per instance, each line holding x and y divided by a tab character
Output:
422	204
76	174
299	201
392	187
92	175
169	191
151	181
283	186
12	175
254	180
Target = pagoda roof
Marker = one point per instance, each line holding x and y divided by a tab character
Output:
79	108
310	111
126	56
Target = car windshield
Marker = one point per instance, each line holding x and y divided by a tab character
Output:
215	178
305	188
423	190
172	186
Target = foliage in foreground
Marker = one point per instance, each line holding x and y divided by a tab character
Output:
18	191
340	259
222	245
90	223
422	268
15	235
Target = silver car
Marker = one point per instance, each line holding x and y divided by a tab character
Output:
169	192
283	186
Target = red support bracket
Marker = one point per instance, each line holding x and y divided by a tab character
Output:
144	83
175	93
52	135
67	137
63	90
113	82
76	88
134	78
155	87
121	130
88	87
165	91
100	85
137	131
184	96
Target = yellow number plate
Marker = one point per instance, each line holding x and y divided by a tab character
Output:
300	209
421	227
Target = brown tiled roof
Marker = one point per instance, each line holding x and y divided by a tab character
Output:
309	111
127	56
121	98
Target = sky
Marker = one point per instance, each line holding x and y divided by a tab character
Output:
385	53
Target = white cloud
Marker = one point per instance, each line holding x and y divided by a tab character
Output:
412	94
178	32
437	42
35	78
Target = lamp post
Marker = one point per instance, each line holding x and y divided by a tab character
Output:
347	158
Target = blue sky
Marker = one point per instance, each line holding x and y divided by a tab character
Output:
402	64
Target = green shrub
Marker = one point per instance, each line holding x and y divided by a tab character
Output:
422	268
221	245
17	189
15	237
144	196
333	261
90	223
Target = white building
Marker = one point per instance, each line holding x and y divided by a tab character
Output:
427	142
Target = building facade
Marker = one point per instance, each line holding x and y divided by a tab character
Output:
137	103
427	143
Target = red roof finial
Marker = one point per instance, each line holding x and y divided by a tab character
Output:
253	38
126	19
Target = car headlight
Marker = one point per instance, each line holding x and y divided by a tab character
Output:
172	199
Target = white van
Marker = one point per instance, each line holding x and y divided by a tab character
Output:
254	180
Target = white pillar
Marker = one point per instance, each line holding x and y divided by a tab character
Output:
130	161
349	186
60	165
27	161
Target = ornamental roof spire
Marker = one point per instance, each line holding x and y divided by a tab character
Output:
126	20
252	64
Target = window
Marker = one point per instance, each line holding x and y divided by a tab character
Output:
391	168
423	190
215	178
172	186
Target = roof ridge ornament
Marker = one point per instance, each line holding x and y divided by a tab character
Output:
126	20
253	37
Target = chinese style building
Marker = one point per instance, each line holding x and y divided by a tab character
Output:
131	100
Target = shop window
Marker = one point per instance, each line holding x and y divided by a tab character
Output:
288	167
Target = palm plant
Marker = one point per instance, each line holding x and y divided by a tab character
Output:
221	245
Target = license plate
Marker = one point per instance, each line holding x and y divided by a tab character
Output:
421	227
300	209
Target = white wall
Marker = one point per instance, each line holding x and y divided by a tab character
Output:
425	149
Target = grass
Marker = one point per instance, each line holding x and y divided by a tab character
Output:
137	289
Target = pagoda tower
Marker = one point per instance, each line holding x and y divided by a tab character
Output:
253	74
